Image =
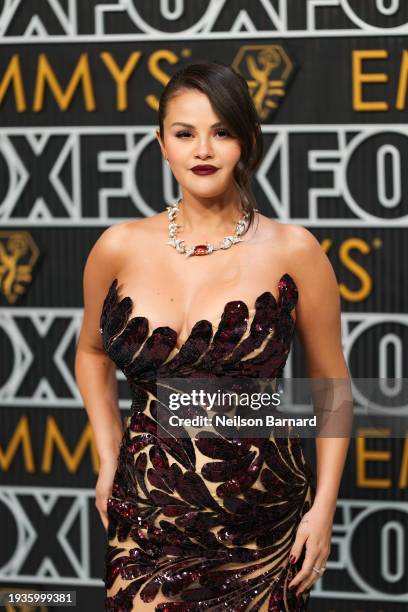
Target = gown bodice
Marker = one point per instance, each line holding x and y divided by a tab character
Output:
247	342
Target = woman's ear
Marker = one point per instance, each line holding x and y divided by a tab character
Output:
160	143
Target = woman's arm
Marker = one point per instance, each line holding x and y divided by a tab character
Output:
318	325
95	372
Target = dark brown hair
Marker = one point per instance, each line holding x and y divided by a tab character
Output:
230	98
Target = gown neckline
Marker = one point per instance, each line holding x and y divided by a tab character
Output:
277	299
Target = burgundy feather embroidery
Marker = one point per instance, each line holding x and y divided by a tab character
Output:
204	523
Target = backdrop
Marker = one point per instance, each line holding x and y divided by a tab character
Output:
79	89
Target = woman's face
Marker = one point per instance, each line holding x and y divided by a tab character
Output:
194	135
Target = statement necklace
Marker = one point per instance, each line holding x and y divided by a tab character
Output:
208	247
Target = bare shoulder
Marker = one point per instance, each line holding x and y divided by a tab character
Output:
146	223
108	253
300	241
318	309
310	267
112	237
301	254
102	265
145	226
115	240
292	239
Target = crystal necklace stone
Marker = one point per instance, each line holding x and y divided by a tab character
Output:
200	249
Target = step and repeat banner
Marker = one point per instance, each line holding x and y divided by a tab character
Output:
79	90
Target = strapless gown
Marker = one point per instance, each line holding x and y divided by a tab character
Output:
203	523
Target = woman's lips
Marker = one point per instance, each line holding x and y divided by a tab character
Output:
204	171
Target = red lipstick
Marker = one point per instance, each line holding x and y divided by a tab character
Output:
203	170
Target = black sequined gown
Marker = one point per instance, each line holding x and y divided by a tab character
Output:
203	523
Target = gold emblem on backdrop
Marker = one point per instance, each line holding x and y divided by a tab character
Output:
267	70
18	254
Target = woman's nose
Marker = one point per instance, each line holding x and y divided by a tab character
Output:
203	148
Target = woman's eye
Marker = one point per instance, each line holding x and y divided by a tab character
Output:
223	132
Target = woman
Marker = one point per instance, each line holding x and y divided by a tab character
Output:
208	523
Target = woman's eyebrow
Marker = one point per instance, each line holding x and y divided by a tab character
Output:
192	126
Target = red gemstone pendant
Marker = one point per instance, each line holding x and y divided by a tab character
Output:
200	249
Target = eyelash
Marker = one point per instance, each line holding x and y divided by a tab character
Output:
181	134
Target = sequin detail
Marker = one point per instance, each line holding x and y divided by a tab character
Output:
204	523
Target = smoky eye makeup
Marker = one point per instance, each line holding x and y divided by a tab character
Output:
184	133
